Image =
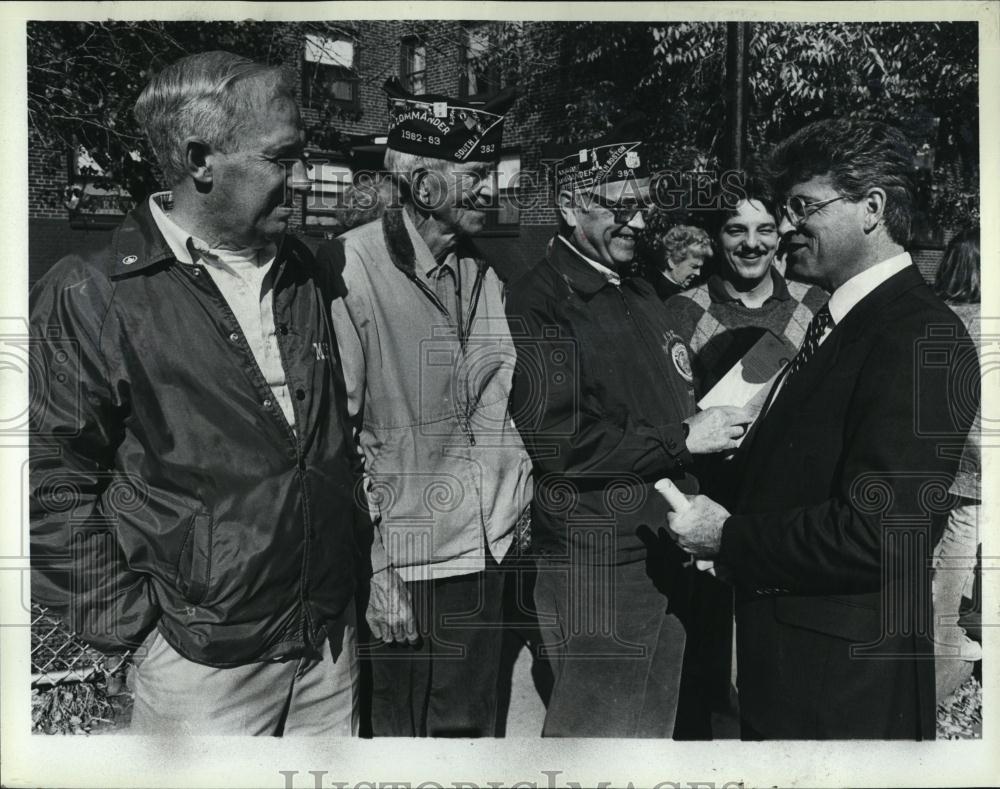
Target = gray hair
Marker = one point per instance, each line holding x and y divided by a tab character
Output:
210	96
401	166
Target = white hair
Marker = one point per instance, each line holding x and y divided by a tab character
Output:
211	96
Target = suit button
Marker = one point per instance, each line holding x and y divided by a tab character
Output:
266	404
300	394
234	336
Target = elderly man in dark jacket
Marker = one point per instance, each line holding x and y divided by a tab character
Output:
604	401
191	489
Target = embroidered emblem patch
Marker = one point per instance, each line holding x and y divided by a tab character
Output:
632	159
679	356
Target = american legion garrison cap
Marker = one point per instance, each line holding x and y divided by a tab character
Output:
617	156
442	128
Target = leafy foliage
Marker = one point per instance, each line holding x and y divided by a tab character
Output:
84	76
919	76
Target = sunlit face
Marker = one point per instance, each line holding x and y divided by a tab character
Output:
748	240
598	233
830	241
253	186
459	195
686	271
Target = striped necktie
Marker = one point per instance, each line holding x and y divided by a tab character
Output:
814	333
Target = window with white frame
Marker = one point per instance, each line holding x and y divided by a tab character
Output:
506	218
323	205
413	65
480	74
330	72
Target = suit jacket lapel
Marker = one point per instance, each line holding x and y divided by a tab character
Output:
855	325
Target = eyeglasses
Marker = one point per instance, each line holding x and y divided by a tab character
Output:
624	211
798	210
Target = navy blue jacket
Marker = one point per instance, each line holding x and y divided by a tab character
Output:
843	493
601	387
167	487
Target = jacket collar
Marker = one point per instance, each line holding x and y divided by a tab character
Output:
138	245
405	245
576	272
718	293
587	280
855	324
873	303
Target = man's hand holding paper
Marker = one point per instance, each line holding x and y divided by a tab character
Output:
717	429
749	381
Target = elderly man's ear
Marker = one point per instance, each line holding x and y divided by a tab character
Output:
428	188
198	160
567	207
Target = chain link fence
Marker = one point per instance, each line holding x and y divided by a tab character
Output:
74	688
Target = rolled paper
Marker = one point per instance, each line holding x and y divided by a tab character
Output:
678	503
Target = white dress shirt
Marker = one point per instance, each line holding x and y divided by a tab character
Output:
846	297
243	278
611	276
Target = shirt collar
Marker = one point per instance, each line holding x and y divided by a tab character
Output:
423	261
184	245
612	277
176	237
847	296
719	294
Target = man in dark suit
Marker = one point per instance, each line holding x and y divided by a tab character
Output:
842	489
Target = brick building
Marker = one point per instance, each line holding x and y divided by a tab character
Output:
340	73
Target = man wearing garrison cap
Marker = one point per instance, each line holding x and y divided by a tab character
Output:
428	361
603	399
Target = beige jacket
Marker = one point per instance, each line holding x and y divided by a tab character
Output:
446	473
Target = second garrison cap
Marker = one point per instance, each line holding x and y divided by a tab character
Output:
443	128
616	156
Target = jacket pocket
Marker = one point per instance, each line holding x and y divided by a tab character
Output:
194	567
854	619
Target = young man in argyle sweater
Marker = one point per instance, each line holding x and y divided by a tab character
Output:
722	318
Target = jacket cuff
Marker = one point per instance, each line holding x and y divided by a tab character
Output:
674	441
380	559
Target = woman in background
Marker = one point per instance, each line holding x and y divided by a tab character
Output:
957	283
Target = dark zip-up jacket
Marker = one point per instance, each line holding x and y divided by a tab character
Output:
167	487
601	387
